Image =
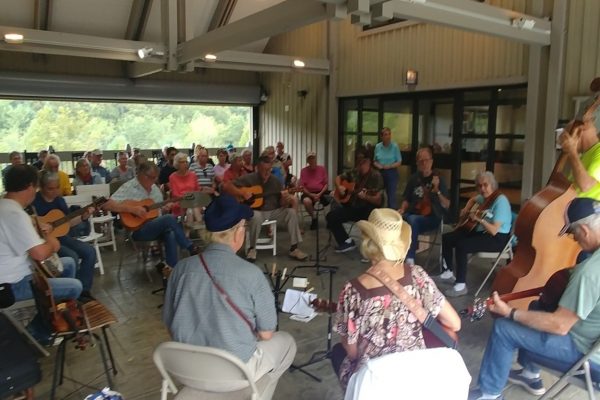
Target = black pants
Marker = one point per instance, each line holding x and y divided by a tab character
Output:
464	243
336	217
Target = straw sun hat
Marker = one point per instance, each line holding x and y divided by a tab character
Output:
386	228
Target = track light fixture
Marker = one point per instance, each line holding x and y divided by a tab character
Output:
149	52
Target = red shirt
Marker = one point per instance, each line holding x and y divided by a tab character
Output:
231	175
313	180
180	185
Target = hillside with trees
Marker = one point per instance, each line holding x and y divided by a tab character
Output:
68	125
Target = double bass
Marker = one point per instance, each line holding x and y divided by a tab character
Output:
540	251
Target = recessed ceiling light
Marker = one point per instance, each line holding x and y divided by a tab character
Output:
299	64
210	57
13	38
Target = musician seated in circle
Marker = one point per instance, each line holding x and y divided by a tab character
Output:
236	169
122	172
248	165
48	198
275	205
204	171
183	181
164	227
52	164
84	174
425	200
314	182
370	319
242	320
20	244
558	338
488	229
359	192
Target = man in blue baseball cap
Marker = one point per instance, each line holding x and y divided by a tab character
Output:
220	300
556	339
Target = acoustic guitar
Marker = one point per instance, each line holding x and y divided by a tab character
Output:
478	211
256	199
133	222
60	222
349	191
549	294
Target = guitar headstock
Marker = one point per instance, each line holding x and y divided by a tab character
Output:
479	309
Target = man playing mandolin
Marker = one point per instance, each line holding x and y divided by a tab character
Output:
425	200
555	339
164	227
275	205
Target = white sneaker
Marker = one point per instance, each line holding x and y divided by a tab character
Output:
446	276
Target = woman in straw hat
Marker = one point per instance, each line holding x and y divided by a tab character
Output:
371	320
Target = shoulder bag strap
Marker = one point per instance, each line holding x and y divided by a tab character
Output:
413	305
226	297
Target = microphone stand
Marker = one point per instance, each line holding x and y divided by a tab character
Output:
320	269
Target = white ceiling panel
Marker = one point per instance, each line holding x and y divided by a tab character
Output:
198	15
106	18
17	13
152	33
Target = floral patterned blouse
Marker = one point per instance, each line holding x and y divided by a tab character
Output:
379	322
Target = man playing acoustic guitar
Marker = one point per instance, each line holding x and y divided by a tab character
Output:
164	227
365	195
275	205
555	339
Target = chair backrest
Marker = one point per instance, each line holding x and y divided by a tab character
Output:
77	200
100	190
202	368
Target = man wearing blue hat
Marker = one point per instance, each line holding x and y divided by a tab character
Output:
555	339
220	300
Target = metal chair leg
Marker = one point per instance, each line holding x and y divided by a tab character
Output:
104	360
110	354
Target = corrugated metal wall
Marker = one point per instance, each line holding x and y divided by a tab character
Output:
582	61
376	62
298	121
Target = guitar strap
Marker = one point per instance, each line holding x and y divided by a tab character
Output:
424	316
226	297
489	201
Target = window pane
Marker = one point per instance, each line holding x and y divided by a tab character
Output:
440	126
510	120
475	120
350	115
397	115
349	149
370	123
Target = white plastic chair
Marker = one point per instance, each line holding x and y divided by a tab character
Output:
204	371
265	243
106	221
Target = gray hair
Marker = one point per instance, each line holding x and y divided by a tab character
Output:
47	176
488	176
592	221
52	157
246	152
178	157
82	161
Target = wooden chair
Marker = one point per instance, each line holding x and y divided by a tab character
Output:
96	317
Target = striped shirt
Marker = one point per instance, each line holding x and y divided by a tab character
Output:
205	176
133	190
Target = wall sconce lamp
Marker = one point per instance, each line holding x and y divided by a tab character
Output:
149	52
412	77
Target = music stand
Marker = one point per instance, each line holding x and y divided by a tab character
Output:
321	269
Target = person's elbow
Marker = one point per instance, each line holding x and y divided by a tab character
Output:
265	335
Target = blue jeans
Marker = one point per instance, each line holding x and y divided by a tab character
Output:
169	231
551	350
76	249
419	224
390	183
65	287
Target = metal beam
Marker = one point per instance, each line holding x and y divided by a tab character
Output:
168	14
247	61
138	18
70	44
283	17
222	14
467	15
41	14
137	69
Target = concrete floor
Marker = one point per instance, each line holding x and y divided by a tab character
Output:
140	330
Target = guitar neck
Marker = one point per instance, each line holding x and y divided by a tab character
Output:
69	217
518	295
162	203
